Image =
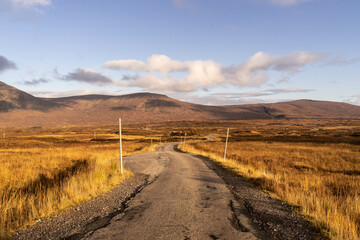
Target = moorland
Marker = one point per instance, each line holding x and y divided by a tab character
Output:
312	164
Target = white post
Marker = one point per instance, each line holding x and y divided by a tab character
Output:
151	145
121	157
227	136
184	142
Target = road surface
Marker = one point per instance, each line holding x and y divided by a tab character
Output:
186	200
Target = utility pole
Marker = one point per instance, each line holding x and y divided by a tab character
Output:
227	137
121	157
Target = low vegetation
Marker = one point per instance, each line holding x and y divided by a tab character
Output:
312	164
43	172
321	180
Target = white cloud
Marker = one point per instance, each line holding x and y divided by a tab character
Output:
235	98
130	64
163	64
218	99
160	63
152	82
88	76
31	3
78	92
23	5
267	92
355	99
159	72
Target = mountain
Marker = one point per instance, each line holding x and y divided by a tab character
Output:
12	98
313	109
20	109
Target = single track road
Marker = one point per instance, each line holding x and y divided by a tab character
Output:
185	200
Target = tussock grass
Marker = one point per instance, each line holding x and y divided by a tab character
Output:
322	179
42	175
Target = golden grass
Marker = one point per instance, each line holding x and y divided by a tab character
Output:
42	175
322	179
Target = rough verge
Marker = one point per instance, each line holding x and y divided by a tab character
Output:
276	218
78	221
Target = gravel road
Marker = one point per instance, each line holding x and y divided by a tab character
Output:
176	195
187	201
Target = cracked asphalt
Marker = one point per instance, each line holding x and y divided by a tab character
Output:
184	200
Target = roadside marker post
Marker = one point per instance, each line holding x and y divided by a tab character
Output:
184	142
227	137
151	145
121	157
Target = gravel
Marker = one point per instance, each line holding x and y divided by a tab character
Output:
276	218
75	222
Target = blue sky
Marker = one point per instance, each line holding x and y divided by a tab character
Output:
203	51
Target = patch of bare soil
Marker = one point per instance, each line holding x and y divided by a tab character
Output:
276	218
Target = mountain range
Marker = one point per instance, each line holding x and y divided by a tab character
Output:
20	109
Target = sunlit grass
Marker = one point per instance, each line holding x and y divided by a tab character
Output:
41	175
322	179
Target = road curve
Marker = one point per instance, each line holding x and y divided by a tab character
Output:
186	200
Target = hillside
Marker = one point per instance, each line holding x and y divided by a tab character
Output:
12	98
313	109
20	109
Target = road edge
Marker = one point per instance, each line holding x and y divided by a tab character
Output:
76	222
272	217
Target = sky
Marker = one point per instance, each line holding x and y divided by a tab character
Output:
215	52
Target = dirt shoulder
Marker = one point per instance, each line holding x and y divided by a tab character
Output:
270	215
75	222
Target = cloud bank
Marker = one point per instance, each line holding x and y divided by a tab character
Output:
6	64
160	72
78	92
235	98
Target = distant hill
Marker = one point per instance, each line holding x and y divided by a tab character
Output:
20	109
12	98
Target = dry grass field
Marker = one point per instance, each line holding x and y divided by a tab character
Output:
314	166
46	171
